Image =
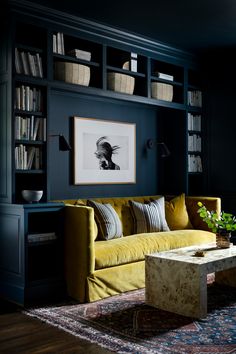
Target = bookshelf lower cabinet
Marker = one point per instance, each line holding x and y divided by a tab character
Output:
31	247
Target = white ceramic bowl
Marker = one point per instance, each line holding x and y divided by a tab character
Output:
31	195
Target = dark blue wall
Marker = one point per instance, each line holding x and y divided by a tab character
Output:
63	106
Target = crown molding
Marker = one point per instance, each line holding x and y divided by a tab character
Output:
102	32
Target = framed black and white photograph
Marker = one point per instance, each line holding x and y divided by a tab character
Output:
104	151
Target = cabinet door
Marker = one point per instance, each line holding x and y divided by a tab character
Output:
12	256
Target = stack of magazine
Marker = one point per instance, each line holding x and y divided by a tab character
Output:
41	237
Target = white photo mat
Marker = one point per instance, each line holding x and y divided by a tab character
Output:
91	138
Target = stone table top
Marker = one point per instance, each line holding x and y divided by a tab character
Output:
187	254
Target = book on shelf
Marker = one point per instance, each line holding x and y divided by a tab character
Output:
25	63
134	62
195	98
80	54
31	64
40	237
30	158
54	37
165	76
18	62
58	43
39	65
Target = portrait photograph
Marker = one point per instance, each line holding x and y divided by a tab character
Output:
104	151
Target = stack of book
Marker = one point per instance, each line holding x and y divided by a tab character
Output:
194	142
194	122
41	237
28	99
27	158
28	64
195	98
80	54
194	163
164	76
30	128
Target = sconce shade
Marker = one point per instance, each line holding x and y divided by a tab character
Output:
164	151
63	143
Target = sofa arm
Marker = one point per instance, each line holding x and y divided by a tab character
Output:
211	203
79	249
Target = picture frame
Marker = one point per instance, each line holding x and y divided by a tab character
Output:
104	151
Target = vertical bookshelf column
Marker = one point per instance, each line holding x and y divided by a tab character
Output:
194	124
30	110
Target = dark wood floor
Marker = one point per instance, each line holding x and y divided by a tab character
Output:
22	334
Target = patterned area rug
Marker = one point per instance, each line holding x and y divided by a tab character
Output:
124	324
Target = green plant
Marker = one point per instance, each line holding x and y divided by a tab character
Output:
215	222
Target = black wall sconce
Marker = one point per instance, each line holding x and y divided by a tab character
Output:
164	151
63	143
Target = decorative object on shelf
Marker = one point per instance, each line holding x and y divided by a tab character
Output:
164	151
63	143
120	82
73	73
104	151
222	224
162	91
200	253
32	195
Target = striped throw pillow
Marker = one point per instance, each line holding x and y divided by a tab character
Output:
109	224
149	217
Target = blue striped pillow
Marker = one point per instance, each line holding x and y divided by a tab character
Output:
149	217
109	224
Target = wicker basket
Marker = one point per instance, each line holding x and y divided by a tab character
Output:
120	83
72	72
223	240
162	91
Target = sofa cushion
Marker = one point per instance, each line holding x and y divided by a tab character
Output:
134	248
109	224
149	217
176	214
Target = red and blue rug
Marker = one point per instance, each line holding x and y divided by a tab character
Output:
125	324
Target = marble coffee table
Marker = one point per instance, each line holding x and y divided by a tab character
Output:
176	280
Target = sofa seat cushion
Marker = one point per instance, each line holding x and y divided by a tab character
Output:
134	248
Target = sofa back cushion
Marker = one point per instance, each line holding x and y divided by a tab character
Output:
149	217
108	221
176	213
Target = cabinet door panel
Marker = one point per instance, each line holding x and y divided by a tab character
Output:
10	244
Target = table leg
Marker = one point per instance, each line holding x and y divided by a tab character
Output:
176	287
226	277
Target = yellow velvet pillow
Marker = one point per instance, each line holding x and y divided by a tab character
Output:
176	214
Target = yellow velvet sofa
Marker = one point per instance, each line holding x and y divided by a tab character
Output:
96	269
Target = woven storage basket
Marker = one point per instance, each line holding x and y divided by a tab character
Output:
162	91
72	72
120	83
